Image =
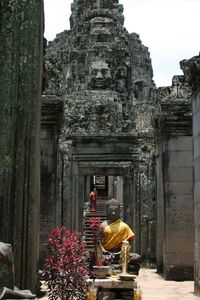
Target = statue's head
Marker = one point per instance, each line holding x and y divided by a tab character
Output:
113	210
100	75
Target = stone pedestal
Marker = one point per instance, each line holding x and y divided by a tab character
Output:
113	288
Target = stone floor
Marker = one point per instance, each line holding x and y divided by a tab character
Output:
154	287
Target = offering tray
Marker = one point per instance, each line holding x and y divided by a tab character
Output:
127	276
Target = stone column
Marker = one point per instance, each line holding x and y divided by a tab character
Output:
178	208
176	232
191	69
160	207
196	186
21	48
50	210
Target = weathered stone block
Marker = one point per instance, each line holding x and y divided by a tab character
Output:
179	187
196	122
181	272
196	190
197	168
196	142
196	103
182	201
174	258
197	220
179	159
179	143
179	174
179	224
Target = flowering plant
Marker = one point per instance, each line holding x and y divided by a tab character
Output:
67	268
108	259
95	226
97	231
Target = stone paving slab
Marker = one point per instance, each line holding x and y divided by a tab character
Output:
154	287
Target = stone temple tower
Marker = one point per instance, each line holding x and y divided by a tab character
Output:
99	91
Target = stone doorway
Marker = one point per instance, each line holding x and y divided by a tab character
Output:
114	158
116	182
107	186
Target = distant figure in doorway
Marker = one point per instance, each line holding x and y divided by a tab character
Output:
93	199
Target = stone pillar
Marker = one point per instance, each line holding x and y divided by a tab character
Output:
176	232
119	187
49	209
87	190
191	69
196	145
21	48
143	209
65	185
110	187
160	207
178	208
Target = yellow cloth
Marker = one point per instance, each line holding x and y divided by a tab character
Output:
115	233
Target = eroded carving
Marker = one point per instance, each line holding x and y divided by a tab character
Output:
99	75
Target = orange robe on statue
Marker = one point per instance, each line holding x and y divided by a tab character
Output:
115	233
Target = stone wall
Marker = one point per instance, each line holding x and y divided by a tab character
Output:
174	182
178	208
196	145
191	69
21	48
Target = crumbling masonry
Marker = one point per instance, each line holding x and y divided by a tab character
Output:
101	114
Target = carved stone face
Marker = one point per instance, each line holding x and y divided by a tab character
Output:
101	25
100	75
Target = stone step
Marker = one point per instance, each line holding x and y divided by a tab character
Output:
88	236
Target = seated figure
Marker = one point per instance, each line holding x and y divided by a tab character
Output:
115	231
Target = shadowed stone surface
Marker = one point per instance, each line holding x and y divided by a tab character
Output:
191	69
21	39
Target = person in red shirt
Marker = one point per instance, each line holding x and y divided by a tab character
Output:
93	199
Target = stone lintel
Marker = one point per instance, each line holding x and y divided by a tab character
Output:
104	138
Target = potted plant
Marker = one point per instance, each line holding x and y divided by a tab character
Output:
66	270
